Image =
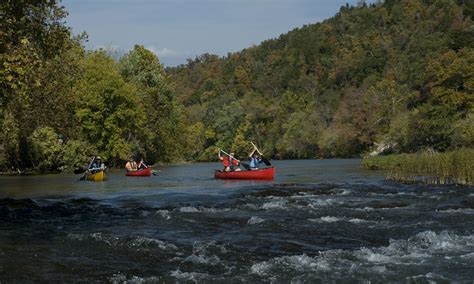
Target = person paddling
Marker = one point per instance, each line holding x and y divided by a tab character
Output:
229	161
97	165
131	165
142	165
255	160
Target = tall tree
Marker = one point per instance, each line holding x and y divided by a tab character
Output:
109	110
164	133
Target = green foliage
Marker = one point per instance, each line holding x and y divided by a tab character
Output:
463	135
76	152
241	145
46	149
454	167
163	133
298	141
397	73
109	110
10	146
36	79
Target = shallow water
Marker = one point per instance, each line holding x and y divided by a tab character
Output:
318	221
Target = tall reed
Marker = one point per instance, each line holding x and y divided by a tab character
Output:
454	167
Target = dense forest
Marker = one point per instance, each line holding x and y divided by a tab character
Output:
397	75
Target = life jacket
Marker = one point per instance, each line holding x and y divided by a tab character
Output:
131	165
230	162
226	161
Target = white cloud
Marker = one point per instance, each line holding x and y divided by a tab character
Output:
164	52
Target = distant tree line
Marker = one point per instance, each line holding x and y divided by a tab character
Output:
397	73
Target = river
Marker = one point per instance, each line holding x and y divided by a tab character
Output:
317	221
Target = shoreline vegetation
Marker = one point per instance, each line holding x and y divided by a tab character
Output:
453	167
398	74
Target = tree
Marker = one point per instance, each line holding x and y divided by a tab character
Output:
165	126
109	110
46	149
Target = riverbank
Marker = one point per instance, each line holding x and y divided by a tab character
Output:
454	167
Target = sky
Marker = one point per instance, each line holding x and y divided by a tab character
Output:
179	29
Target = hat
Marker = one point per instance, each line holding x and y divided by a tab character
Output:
98	158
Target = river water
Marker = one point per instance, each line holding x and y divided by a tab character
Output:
318	221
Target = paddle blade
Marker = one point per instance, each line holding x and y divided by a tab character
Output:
266	161
79	170
245	165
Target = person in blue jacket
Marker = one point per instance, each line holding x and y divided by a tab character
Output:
255	160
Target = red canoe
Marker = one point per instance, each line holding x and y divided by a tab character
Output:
267	173
141	173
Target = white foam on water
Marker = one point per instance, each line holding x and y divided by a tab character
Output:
393	258
332	219
202	259
392	194
121	278
371	256
192	209
345	191
366	208
204	252
277	204
358	221
469	255
164	214
189	276
118	278
299	263
138	243
431	277
143	241
459	210
188	209
214	210
318	203
255	220
261	268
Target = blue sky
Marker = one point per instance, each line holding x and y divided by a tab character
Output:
180	29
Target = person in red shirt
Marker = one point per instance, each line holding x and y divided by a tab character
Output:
230	162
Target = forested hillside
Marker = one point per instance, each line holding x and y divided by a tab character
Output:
399	75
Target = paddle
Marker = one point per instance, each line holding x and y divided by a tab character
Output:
153	172
246	166
82	169
264	160
86	170
79	170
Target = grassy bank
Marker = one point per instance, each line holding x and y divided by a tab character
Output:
455	167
